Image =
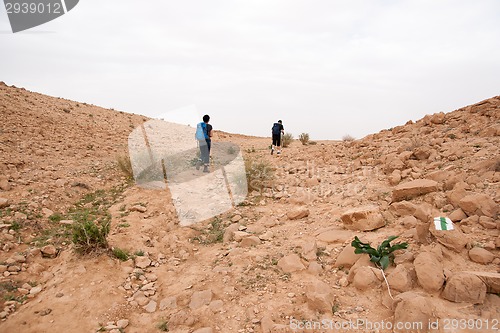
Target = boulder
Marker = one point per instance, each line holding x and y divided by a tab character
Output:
454	239
400	279
142	262
367	278
458	192
291	263
200	298
364	260
403	208
298	213
4	203
229	232
414	188
492	280
457	215
309	251
488	222
465	288
250	241
49	251
430	272
414	308
347	258
480	255
320	296
335	236
479	204
363	218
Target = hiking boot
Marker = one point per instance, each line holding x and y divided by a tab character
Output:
278	153
205	169
272	151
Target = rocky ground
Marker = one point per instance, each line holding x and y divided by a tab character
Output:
281	261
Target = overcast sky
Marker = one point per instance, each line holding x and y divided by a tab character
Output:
328	68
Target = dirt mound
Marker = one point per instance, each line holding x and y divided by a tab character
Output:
268	265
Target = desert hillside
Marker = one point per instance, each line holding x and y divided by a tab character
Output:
281	261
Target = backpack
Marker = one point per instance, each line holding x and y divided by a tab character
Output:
276	129
201	132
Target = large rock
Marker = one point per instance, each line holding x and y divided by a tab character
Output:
367	278
492	280
414	308
400	279
335	236
309	251
465	287
347	258
363	218
430	273
403	208
454	239
4	203
480	255
200	298
479	204
142	262
320	296
412	189
291	263
298	213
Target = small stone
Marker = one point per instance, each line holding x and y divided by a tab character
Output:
142	262
151	307
49	251
35	290
123	323
138	208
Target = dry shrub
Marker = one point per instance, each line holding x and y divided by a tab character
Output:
260	174
125	166
287	139
304	138
348	138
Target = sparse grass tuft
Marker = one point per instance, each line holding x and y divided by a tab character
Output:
287	140
123	255
304	138
214	233
139	253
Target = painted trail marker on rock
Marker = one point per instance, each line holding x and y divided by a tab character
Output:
443	223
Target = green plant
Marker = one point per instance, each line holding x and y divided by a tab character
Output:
56	217
123	255
335	308
304	138
139	253
383	255
163	326
287	139
231	150
89	236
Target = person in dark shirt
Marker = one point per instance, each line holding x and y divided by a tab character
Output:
276	131
205	144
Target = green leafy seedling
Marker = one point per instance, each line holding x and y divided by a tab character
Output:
383	255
